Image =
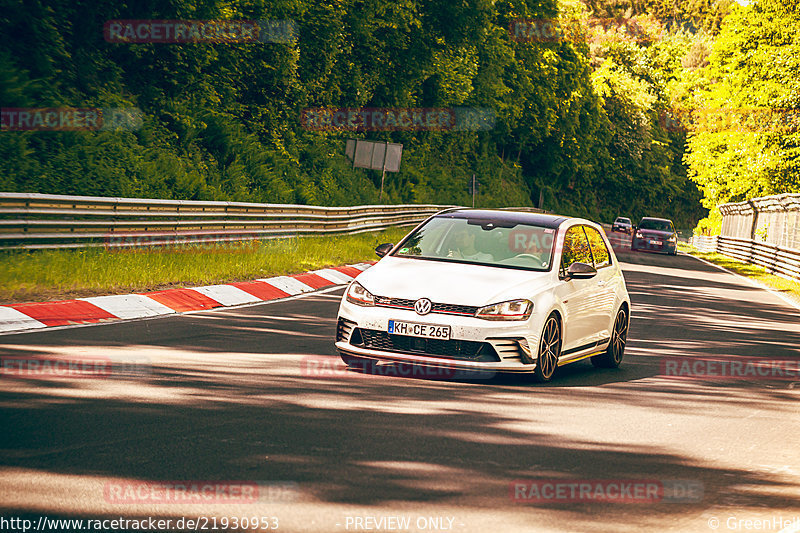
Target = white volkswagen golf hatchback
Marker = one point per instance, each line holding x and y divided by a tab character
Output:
489	290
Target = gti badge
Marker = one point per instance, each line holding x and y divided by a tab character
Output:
422	306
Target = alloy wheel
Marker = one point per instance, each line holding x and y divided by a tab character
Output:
549	350
619	337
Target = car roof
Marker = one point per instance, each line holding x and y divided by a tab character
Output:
506	217
659	219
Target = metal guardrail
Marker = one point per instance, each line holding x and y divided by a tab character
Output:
40	221
781	261
763	231
704	243
771	219
784	262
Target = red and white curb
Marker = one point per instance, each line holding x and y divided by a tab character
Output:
22	317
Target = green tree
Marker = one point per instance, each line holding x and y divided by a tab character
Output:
743	141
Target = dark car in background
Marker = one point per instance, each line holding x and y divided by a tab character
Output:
655	235
622	224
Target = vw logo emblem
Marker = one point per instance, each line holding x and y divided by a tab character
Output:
422	306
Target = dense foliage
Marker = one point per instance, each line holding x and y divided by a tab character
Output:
745	108
579	122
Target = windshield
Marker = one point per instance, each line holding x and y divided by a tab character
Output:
624	220
658	225
462	240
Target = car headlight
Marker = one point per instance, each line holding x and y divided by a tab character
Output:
512	310
639	235
358	295
672	238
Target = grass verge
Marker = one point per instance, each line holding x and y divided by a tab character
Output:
787	287
45	275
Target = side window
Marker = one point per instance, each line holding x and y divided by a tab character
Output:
599	250
576	248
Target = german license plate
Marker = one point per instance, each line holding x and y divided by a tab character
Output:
413	329
656	243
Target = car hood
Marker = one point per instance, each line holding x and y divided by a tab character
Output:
452	283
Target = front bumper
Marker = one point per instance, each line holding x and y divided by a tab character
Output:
665	247
475	344
439	362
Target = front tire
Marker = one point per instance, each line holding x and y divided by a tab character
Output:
612	357
549	350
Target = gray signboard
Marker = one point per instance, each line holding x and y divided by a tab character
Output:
373	155
394	152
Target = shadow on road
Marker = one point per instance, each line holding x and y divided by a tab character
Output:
225	397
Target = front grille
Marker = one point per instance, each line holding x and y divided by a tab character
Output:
453	349
452	309
394	302
446	309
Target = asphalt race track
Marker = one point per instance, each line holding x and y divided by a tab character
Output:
257	395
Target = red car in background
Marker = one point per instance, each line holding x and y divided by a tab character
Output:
655	235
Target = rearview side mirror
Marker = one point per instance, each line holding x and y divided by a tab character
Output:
578	270
384	249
